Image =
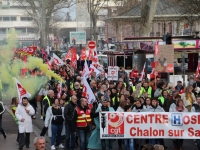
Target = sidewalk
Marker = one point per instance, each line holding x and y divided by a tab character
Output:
11	128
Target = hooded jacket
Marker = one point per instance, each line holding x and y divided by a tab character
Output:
155	109
142	108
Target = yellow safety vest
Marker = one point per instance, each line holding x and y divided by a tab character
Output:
13	115
162	99
133	88
142	90
71	86
124	84
113	100
46	98
68	101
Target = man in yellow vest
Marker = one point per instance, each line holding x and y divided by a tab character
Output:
146	89
83	122
46	103
114	99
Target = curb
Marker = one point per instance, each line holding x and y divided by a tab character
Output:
36	130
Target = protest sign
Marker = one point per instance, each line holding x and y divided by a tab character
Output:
112	73
172	125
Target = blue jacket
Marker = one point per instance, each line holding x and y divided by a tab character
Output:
94	140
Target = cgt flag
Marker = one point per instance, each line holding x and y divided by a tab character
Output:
87	92
142	73
73	62
93	69
86	71
57	60
83	54
59	90
21	91
69	54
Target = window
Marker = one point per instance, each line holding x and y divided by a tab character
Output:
30	30
2	30
26	18
6	18
29	18
20	30
1	18
13	18
128	61
23	18
151	34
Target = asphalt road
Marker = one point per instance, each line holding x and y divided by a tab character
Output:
188	144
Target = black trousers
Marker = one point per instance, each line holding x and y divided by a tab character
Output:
24	139
44	130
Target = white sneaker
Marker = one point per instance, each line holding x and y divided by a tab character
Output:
61	146
41	117
53	147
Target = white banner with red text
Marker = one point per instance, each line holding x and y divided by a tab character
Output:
172	125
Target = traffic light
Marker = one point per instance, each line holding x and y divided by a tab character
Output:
167	38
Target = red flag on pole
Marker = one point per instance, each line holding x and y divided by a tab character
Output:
21	91
69	54
73	62
142	73
83	54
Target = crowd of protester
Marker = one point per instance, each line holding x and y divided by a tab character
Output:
67	116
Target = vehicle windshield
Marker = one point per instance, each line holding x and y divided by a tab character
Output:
103	60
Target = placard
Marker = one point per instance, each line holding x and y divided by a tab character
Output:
112	73
164	58
167	125
78	37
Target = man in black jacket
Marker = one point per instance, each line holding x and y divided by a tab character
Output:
46	104
70	123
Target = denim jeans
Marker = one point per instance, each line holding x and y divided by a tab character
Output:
56	130
83	136
69	134
103	144
153	141
131	144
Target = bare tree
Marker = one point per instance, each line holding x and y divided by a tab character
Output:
188	9
68	17
42	12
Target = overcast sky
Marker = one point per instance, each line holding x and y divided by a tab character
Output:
71	10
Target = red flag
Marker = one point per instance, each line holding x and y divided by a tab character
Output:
86	71
156	50
153	74
59	90
57	60
21	91
73	62
83	54
28	51
87	92
143	72
69	54
90	57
